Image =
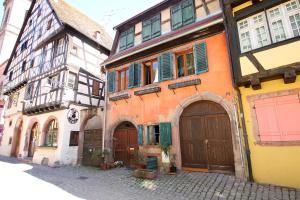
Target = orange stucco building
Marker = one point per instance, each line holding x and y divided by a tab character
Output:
174	89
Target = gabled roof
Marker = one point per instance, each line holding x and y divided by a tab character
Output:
71	17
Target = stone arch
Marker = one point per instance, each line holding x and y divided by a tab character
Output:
229	107
28	131
17	137
45	127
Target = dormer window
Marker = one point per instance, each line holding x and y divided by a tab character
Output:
49	24
182	14
127	39
151	28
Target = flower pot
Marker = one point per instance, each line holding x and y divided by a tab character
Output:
145	174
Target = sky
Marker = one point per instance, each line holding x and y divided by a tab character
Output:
108	13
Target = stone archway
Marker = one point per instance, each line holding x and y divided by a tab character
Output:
33	139
125	143
205	137
229	107
17	138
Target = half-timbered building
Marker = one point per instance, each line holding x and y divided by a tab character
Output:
170	86
264	46
54	84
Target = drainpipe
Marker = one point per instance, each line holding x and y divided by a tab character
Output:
105	111
245	135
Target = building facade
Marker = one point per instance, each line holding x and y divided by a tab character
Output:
264	44
12	19
54	85
170	86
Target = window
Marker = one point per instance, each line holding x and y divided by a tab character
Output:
53	82
23	66
185	63
29	92
123	79
153	135
32	63
49	24
127	39
278	118
74	137
134	75
10	122
95	89
51	134
10	101
151	28
24	45
74	50
150	72
60	47
71	80
111	78
182	14
10	76
273	25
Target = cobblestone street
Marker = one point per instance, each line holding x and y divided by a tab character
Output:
32	181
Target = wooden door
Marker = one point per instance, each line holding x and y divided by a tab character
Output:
92	141
16	148
205	137
125	144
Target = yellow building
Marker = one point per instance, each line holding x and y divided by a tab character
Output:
264	41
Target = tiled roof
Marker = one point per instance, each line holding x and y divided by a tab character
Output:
69	15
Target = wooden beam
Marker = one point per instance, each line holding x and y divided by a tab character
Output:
255	62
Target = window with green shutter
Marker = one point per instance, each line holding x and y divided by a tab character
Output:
153	135
111	81
151	28
182	14
127	39
165	129
140	134
201	60
165	64
134	75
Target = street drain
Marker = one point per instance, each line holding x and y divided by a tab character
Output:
82	178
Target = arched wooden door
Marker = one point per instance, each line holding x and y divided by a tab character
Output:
125	143
33	139
205	137
17	140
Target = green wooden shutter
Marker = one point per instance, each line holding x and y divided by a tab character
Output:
111	81
176	17
146	33
140	134
130	38
201	58
131	76
155	26
165	130
165	66
137	74
188	12
148	135
123	38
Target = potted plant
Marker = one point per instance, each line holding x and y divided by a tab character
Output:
173	168
165	157
99	154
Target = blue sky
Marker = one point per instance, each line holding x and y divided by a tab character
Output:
109	13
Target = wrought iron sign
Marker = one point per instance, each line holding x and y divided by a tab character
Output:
73	116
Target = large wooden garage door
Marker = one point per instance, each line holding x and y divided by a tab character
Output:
92	141
205	137
125	143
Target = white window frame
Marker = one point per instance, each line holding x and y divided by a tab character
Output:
267	23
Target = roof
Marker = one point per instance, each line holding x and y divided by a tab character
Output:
71	16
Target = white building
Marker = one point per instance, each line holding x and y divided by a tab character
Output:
55	86
12	20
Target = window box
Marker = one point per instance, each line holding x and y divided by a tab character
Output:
147	91
184	84
119	97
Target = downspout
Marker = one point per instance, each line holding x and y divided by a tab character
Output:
245	135
105	111
241	109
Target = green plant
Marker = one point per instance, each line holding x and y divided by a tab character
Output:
139	158
165	149
100	154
